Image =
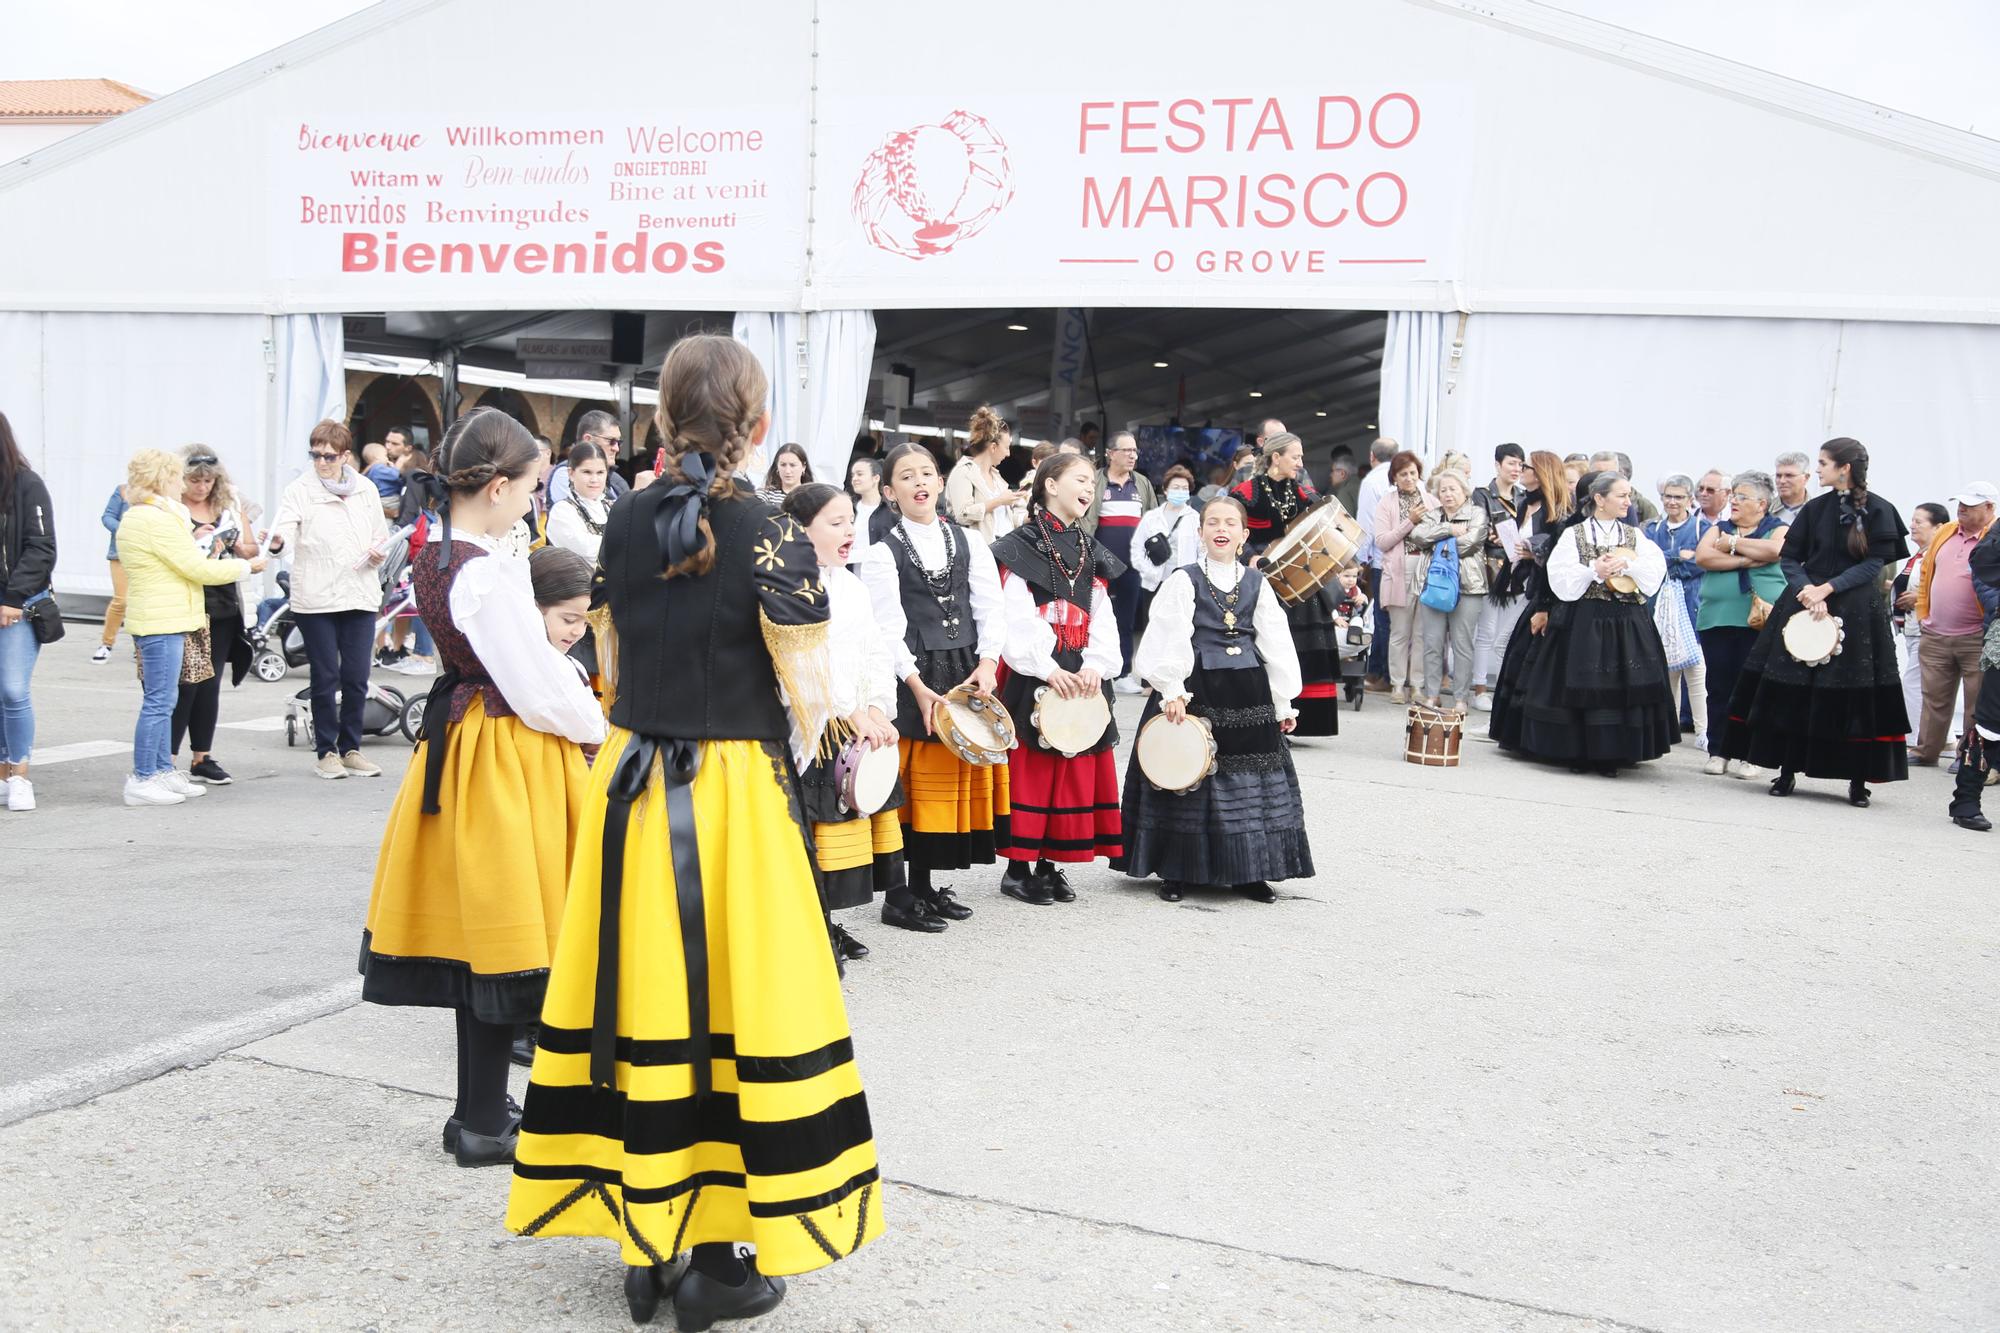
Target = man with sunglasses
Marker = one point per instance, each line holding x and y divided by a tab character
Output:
1711	496
601	429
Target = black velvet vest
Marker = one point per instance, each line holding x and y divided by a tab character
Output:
927	617
692	664
1212	640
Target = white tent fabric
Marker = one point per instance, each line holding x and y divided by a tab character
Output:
86	391
1413	381
311	380
818	364
1684	395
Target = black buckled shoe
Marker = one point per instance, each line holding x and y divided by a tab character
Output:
943	904
452	1124
643	1290
1857	793
847	946
700	1300
1783	784
486	1149
915	917
1057	883
1022	886
1258	892
1170	891
1978	823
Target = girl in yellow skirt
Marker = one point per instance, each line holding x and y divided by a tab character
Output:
695	1084
474	864
936	593
857	854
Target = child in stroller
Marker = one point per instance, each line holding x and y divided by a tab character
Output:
1353	627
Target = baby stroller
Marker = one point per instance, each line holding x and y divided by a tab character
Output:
1352	643
386	709
275	640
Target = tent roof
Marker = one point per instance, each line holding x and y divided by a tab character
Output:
1591	166
35	99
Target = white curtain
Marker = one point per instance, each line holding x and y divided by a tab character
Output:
1413	381
84	391
818	364
309	386
1685	394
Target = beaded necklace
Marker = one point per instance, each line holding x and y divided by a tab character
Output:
938	583
1065	577
594	526
1226	604
1286	506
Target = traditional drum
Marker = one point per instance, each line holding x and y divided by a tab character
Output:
1814	642
975	727
1433	736
1176	756
1069	726
1317	545
866	775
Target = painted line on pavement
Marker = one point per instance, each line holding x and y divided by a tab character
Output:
276	722
194	1047
63	754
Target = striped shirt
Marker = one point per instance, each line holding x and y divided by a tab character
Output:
1118	516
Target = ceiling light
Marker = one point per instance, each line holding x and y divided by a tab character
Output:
1017	328
1369	426
1159	365
1256	393
1319	414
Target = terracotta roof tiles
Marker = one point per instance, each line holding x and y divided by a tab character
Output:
26	98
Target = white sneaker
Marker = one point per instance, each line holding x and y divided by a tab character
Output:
183	784
1700	741
1749	772
1483	702
150	791
20	794
1716	766
1127	685
413	666
103	653
330	767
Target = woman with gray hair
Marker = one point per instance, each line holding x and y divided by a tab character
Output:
1741	581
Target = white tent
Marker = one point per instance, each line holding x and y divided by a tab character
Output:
1593	239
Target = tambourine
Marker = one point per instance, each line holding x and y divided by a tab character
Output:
975	727
1814	642
1069	726
866	775
1174	756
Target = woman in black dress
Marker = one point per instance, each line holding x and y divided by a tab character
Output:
1544	511
1844	718
1595	696
1274	497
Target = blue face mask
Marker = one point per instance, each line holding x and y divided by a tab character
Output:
1177	497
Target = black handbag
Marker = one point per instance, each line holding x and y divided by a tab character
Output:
1160	546
45	620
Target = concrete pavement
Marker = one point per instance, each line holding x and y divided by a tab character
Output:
1532	1051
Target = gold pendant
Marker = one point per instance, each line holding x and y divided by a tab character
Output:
1233	652
1229	619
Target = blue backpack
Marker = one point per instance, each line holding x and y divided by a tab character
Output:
1441	585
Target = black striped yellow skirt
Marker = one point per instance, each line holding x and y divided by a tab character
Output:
780	1154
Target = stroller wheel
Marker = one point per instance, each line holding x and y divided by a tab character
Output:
413	717
270	666
291	732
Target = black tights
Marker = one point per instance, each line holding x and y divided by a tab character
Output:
719	1260
483	1050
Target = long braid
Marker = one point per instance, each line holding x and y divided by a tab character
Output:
1851	454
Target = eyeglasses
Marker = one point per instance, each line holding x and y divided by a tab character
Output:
202	460
1673	495
316	456
1710	490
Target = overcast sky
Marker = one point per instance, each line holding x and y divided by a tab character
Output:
1935	58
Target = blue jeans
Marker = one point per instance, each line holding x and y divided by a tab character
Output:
160	677
18	651
340	648
421	639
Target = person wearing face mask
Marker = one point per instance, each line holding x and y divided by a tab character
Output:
1595	697
1166	539
1272	499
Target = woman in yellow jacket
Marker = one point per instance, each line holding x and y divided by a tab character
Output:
165	573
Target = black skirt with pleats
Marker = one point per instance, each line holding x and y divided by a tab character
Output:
1592	693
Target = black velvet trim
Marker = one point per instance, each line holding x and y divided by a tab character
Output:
448	983
1018	809
770	1148
676	1050
701	1180
792	1207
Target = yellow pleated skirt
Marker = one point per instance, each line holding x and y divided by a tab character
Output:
781	1154
467	902
956	813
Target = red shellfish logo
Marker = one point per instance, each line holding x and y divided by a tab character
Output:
930	187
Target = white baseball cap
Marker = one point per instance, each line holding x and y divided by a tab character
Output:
1977	493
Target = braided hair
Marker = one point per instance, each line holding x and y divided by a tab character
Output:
1851	454
483	444
712	399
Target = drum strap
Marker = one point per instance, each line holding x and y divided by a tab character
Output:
628	783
